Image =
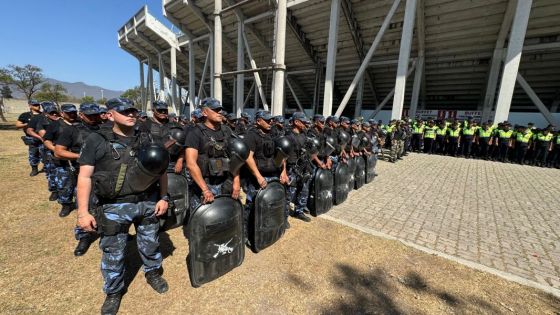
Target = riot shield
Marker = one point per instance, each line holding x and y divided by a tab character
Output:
352	170
267	221
321	192
177	188
360	174
371	161
341	179
216	243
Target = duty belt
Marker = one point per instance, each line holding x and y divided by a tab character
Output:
127	199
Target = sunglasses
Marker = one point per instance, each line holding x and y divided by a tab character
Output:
217	110
162	111
132	112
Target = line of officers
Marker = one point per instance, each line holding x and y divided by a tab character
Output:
120	167
503	142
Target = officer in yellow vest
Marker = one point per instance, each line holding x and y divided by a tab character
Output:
417	135
467	138
484	141
429	137
524	138
453	139
441	135
504	141
543	145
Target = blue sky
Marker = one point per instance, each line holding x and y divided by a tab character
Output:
72	40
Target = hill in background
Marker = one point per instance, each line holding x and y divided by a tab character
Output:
76	90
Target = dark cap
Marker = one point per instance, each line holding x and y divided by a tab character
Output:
230	117
245	115
355	122
34	102
157	105
319	117
197	113
211	103
49	107
279	119
264	114
300	116
366	124
68	108
140	114
119	104
89	108
103	109
333	119
344	119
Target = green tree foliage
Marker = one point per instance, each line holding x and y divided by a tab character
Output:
87	99
55	93
6	91
101	101
133	94
26	78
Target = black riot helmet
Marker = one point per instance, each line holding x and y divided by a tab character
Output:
283	149
238	153
153	158
343	139
355	142
312	145
179	135
329	147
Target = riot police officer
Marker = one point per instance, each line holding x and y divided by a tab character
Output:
298	166
126	171
67	150
34	156
278	126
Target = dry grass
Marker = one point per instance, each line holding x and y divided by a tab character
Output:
320	267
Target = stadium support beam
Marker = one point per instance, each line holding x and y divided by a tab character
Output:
240	87
151	79
359	99
279	56
331	57
173	57
192	77
203	76
142	87
536	100
294	94
368	57
419	74
217	92
513	58
256	74
404	55
497	59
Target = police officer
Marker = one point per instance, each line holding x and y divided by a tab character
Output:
260	164
543	145
52	135
441	138
67	150
298	166
34	156
504	141
122	200
417	135
467	137
278	126
484	141
429	137
317	131
524	138
453	138
242	124
205	151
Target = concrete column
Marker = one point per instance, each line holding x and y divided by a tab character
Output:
173	56
404	55
240	87
279	54
192	78
536	100
331	57
217	93
211	49
161	74
257	76
359	99
151	80
418	75
513	58
142	87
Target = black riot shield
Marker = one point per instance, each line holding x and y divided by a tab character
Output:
352	170
177	188
341	179
216	243
371	161
321	192
360	173
267	221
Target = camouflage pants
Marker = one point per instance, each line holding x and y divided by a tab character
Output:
50	170
113	246
34	154
298	191
65	184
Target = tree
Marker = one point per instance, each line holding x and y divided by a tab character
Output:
26	79
133	94
6	91
101	101
55	93
87	99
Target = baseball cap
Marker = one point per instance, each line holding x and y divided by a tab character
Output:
140	114
355	122
197	113
157	105
333	119
245	115
264	114
211	103
318	117
89	109
301	117
119	104
68	108
49	107
102	109
34	102
344	119
279	119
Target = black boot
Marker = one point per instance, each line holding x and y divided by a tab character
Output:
156	281
111	304
34	171
302	216
66	209
53	196
83	246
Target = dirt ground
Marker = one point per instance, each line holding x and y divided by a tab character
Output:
318	267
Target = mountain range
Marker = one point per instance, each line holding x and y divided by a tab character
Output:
77	90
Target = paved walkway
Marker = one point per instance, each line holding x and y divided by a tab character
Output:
503	216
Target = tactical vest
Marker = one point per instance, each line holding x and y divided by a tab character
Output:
264	152
116	174
454	133
441	131
299	144
468	131
417	130
485	133
430	132
524	137
83	132
505	134
212	159
545	138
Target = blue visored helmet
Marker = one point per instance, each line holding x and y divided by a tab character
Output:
264	114
211	103
158	105
279	119
119	104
